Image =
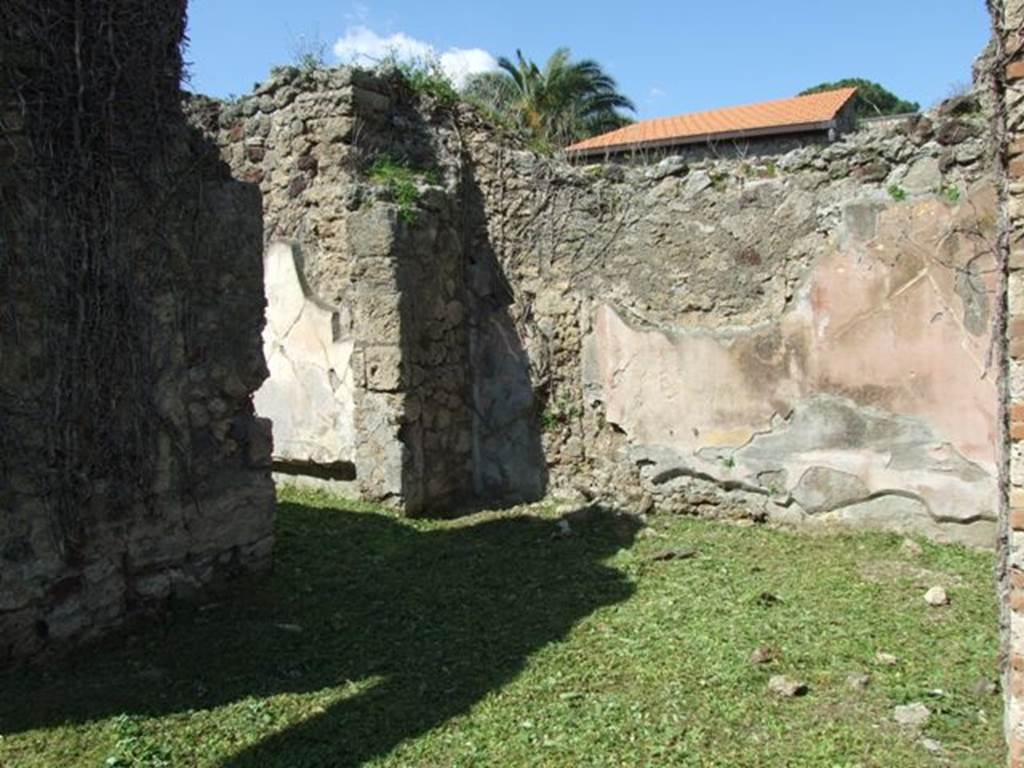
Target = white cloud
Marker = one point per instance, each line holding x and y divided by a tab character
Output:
461	63
361	45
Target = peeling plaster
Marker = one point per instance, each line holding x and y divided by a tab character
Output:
877	371
310	394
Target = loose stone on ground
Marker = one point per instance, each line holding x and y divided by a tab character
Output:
786	687
913	715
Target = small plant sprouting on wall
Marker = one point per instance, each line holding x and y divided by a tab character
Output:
427	78
549	420
559	413
897	193
951	192
402	183
423	74
309	53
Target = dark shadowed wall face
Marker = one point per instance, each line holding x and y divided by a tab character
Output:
131	464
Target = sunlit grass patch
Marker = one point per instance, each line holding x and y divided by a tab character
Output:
502	639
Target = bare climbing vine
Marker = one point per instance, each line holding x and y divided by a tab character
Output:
89	113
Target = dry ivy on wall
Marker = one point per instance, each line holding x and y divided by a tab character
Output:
89	116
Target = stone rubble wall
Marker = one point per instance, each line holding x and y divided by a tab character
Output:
80	555
1008	20
393	277
805	337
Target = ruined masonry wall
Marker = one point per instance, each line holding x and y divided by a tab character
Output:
1008	19
805	338
169	489
397	392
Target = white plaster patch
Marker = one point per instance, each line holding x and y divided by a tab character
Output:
310	394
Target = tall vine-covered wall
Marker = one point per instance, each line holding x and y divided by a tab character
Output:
132	467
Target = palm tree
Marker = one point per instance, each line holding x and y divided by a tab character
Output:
564	102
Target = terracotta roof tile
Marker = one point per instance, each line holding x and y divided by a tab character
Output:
697	126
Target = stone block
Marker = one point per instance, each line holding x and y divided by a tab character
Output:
1017	519
923	177
1016	380
1015	294
372	231
384	368
377	318
260	443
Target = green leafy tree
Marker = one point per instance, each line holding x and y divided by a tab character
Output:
563	102
872	99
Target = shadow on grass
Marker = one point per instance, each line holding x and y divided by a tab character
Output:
429	621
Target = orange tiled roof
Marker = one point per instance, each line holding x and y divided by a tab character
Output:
751	119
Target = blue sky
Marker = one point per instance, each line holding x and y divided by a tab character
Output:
669	56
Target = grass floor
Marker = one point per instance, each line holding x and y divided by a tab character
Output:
496	640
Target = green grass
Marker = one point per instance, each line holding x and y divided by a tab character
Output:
493	640
402	183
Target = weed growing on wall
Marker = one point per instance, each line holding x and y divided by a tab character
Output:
402	182
309	53
897	193
424	75
428	79
559	413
